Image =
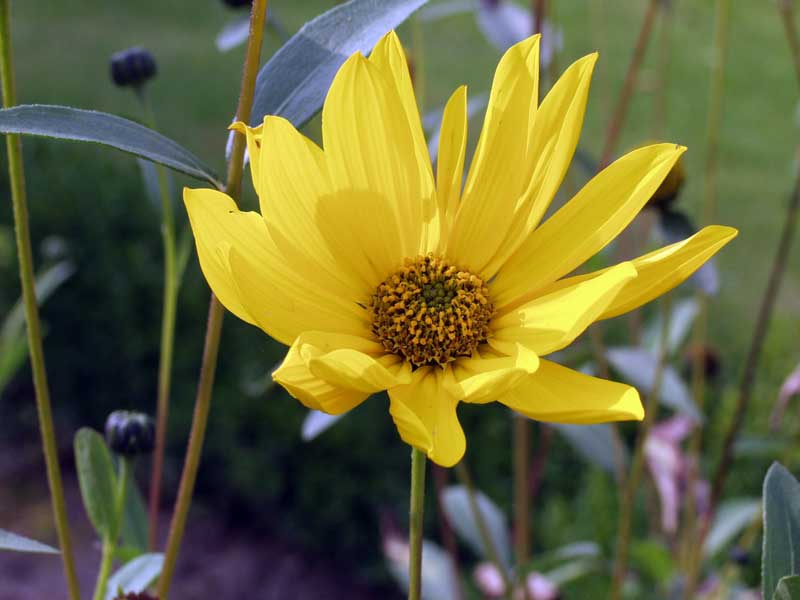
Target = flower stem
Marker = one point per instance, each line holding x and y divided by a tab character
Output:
521	452
110	543
215	314
417	506
462	472
170	304
637	462
21	228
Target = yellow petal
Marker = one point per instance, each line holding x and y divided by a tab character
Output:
333	372
553	321
660	270
452	149
497	175
382	205
487	376
425	415
556	131
253	137
585	225
557	394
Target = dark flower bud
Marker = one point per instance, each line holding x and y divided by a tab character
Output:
705	356
237	3
130	433
740	556
669	189
132	67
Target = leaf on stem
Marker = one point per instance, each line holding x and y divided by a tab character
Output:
17	543
135	576
97	480
781	553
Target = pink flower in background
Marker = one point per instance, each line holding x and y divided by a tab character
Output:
790	388
491	585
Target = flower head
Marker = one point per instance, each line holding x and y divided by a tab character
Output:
381	276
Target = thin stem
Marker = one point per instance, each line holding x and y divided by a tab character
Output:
662	80
787	15
215	314
415	512
463	474
637	462
618	118
538	10
110	542
23	236
521	451
170	305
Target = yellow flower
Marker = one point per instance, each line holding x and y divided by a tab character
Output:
381	277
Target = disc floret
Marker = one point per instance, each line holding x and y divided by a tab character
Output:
431	312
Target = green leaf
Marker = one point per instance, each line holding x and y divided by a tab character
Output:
67	123
17	543
781	553
97	480
294	82
458	509
731	518
135	525
595	443
136	575
788	588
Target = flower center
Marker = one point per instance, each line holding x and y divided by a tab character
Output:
431	312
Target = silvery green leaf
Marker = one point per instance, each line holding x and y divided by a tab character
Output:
457	507
17	543
233	33
136	575
788	588
135	524
730	519
682	316
316	422
294	82
67	123
441	10
638	367
438	573
97	480
781	553
595	443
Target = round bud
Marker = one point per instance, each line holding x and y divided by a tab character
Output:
132	67
669	189
130	433
237	3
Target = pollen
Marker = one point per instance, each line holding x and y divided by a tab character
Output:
431	312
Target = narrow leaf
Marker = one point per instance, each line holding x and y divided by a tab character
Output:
315	423
731	518
457	507
97	480
595	443
682	316
17	543
781	553
438	573
788	588
294	82
67	123
135	525
136	575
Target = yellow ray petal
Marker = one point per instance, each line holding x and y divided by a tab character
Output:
555	135
425	415
452	149
334	373
660	270
253	137
557	394
580	229
382	204
486	377
551	322
497	175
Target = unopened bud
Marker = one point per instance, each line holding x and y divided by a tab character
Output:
237	3
132	67
130	433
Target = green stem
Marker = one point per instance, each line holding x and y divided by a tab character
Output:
463	474
170	304
521	452
416	508
110	542
637	462
215	314
21	228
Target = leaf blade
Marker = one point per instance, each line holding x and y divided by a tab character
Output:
781	553
17	543
97	480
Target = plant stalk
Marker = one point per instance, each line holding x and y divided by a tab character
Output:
205	384
19	201
521	451
110	543
415	512
627	504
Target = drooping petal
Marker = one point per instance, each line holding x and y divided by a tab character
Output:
334	373
551	322
452	150
497	175
557	394
382	205
585	225
489	374
424	412
551	146
659	271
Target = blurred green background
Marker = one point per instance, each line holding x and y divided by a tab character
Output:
103	324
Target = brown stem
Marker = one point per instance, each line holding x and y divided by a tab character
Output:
538	10
215	314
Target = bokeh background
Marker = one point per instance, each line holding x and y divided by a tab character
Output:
324	500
